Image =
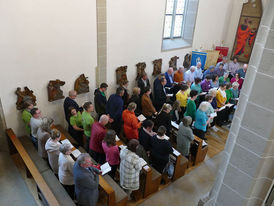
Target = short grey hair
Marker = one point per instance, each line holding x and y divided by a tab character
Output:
46	124
131	106
192	67
211	91
187	121
82	158
204	106
72	93
64	148
235	84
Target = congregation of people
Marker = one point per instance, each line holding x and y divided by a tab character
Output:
197	100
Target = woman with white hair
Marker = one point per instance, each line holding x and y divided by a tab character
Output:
43	134
185	136
212	92
201	121
65	171
52	147
235	92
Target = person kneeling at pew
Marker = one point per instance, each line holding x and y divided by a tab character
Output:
185	136
130	167
86	179
65	171
160	151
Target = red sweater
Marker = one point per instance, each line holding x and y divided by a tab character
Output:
97	136
131	124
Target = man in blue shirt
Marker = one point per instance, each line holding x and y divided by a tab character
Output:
198	71
169	77
242	71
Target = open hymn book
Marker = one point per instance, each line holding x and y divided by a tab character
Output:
105	168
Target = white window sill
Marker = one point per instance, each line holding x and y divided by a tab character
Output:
171	44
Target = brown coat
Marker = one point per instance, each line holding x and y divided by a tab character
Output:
147	106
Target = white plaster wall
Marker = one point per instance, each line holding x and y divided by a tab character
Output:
135	27
41	41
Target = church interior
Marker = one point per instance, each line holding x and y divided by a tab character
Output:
61	59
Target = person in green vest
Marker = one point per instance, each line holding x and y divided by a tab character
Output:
191	106
228	92
87	121
26	115
75	121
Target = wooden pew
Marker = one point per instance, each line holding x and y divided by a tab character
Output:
201	150
180	164
115	195
48	195
151	178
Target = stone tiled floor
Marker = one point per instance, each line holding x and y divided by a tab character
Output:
187	190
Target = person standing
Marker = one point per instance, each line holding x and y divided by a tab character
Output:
198	71
191	106
114	108
100	99
160	95
179	75
185	136
43	134
65	171
201	121
26	115
86	181
87	121
35	123
98	132
142	83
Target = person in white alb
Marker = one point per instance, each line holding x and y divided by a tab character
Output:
198	71
189	75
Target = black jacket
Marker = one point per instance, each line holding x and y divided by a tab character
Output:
100	102
144	139
163	119
137	100
141	85
70	103
159	97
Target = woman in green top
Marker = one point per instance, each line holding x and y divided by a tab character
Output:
76	123
26	115
197	86
87	121
191	106
224	79
228	92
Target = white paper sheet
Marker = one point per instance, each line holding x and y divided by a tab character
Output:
175	152
66	141
204	143
202	93
117	138
169	95
222	108
146	167
143	162
76	153
141	118
212	115
229	105
105	168
174	124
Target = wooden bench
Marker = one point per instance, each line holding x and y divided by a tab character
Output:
116	196
50	190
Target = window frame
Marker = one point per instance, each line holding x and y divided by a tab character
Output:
173	15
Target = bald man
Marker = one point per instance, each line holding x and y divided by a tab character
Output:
70	102
242	71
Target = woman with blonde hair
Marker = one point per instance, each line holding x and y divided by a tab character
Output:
201	121
136	99
163	118
43	134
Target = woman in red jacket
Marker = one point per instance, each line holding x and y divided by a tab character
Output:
131	123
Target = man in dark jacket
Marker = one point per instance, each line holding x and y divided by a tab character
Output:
70	102
100	99
86	181
114	108
142	83
160	94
